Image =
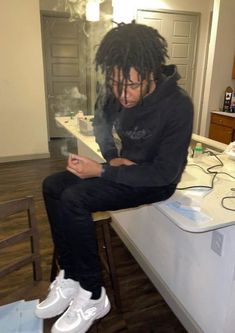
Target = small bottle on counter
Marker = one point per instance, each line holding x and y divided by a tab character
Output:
198	151
227	99
80	116
232	107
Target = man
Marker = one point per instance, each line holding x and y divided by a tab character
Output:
153	119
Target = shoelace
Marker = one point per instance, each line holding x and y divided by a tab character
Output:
57	282
59	279
57	285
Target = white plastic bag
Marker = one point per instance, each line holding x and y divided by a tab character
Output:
230	150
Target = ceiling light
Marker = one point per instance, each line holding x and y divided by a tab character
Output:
93	10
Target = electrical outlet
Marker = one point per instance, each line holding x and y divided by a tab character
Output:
217	242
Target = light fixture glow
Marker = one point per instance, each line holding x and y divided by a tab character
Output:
93	10
123	11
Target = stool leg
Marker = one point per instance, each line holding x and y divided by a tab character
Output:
112	268
54	266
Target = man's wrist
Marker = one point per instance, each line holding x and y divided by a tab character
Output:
102	171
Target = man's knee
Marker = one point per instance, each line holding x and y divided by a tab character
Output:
68	200
74	198
53	184
48	184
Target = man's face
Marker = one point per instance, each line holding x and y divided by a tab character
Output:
132	90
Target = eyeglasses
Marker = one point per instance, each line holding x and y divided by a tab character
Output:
119	84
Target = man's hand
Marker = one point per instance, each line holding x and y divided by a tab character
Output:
120	161
83	167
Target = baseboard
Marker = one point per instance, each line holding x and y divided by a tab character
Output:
18	158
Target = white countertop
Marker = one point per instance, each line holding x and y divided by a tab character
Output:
219	146
228	114
202	206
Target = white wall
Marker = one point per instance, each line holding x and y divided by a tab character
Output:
23	125
220	62
223	61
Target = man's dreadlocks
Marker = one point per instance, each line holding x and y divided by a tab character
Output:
132	45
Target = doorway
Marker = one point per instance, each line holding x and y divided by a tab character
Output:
64	48
180	31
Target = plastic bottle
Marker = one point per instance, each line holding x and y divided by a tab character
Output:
80	116
227	99
198	151
232	107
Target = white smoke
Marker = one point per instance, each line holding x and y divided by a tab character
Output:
68	103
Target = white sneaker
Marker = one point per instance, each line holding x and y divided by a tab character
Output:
82	312
62	292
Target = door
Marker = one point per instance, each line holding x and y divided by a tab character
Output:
64	46
180	32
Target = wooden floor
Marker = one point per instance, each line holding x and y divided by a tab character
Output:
144	310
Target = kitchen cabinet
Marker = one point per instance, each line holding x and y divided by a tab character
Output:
222	127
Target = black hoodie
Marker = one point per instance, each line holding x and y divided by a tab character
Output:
154	134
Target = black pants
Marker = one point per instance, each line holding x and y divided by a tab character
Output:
70	201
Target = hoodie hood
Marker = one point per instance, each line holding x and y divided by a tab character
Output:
166	86
170	72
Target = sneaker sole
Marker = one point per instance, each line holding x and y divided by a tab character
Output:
105	312
85	329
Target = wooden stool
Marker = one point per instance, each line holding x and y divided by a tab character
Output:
102	219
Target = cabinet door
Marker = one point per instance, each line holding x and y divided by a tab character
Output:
223	120
221	133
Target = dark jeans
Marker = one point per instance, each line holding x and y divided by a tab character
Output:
70	201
